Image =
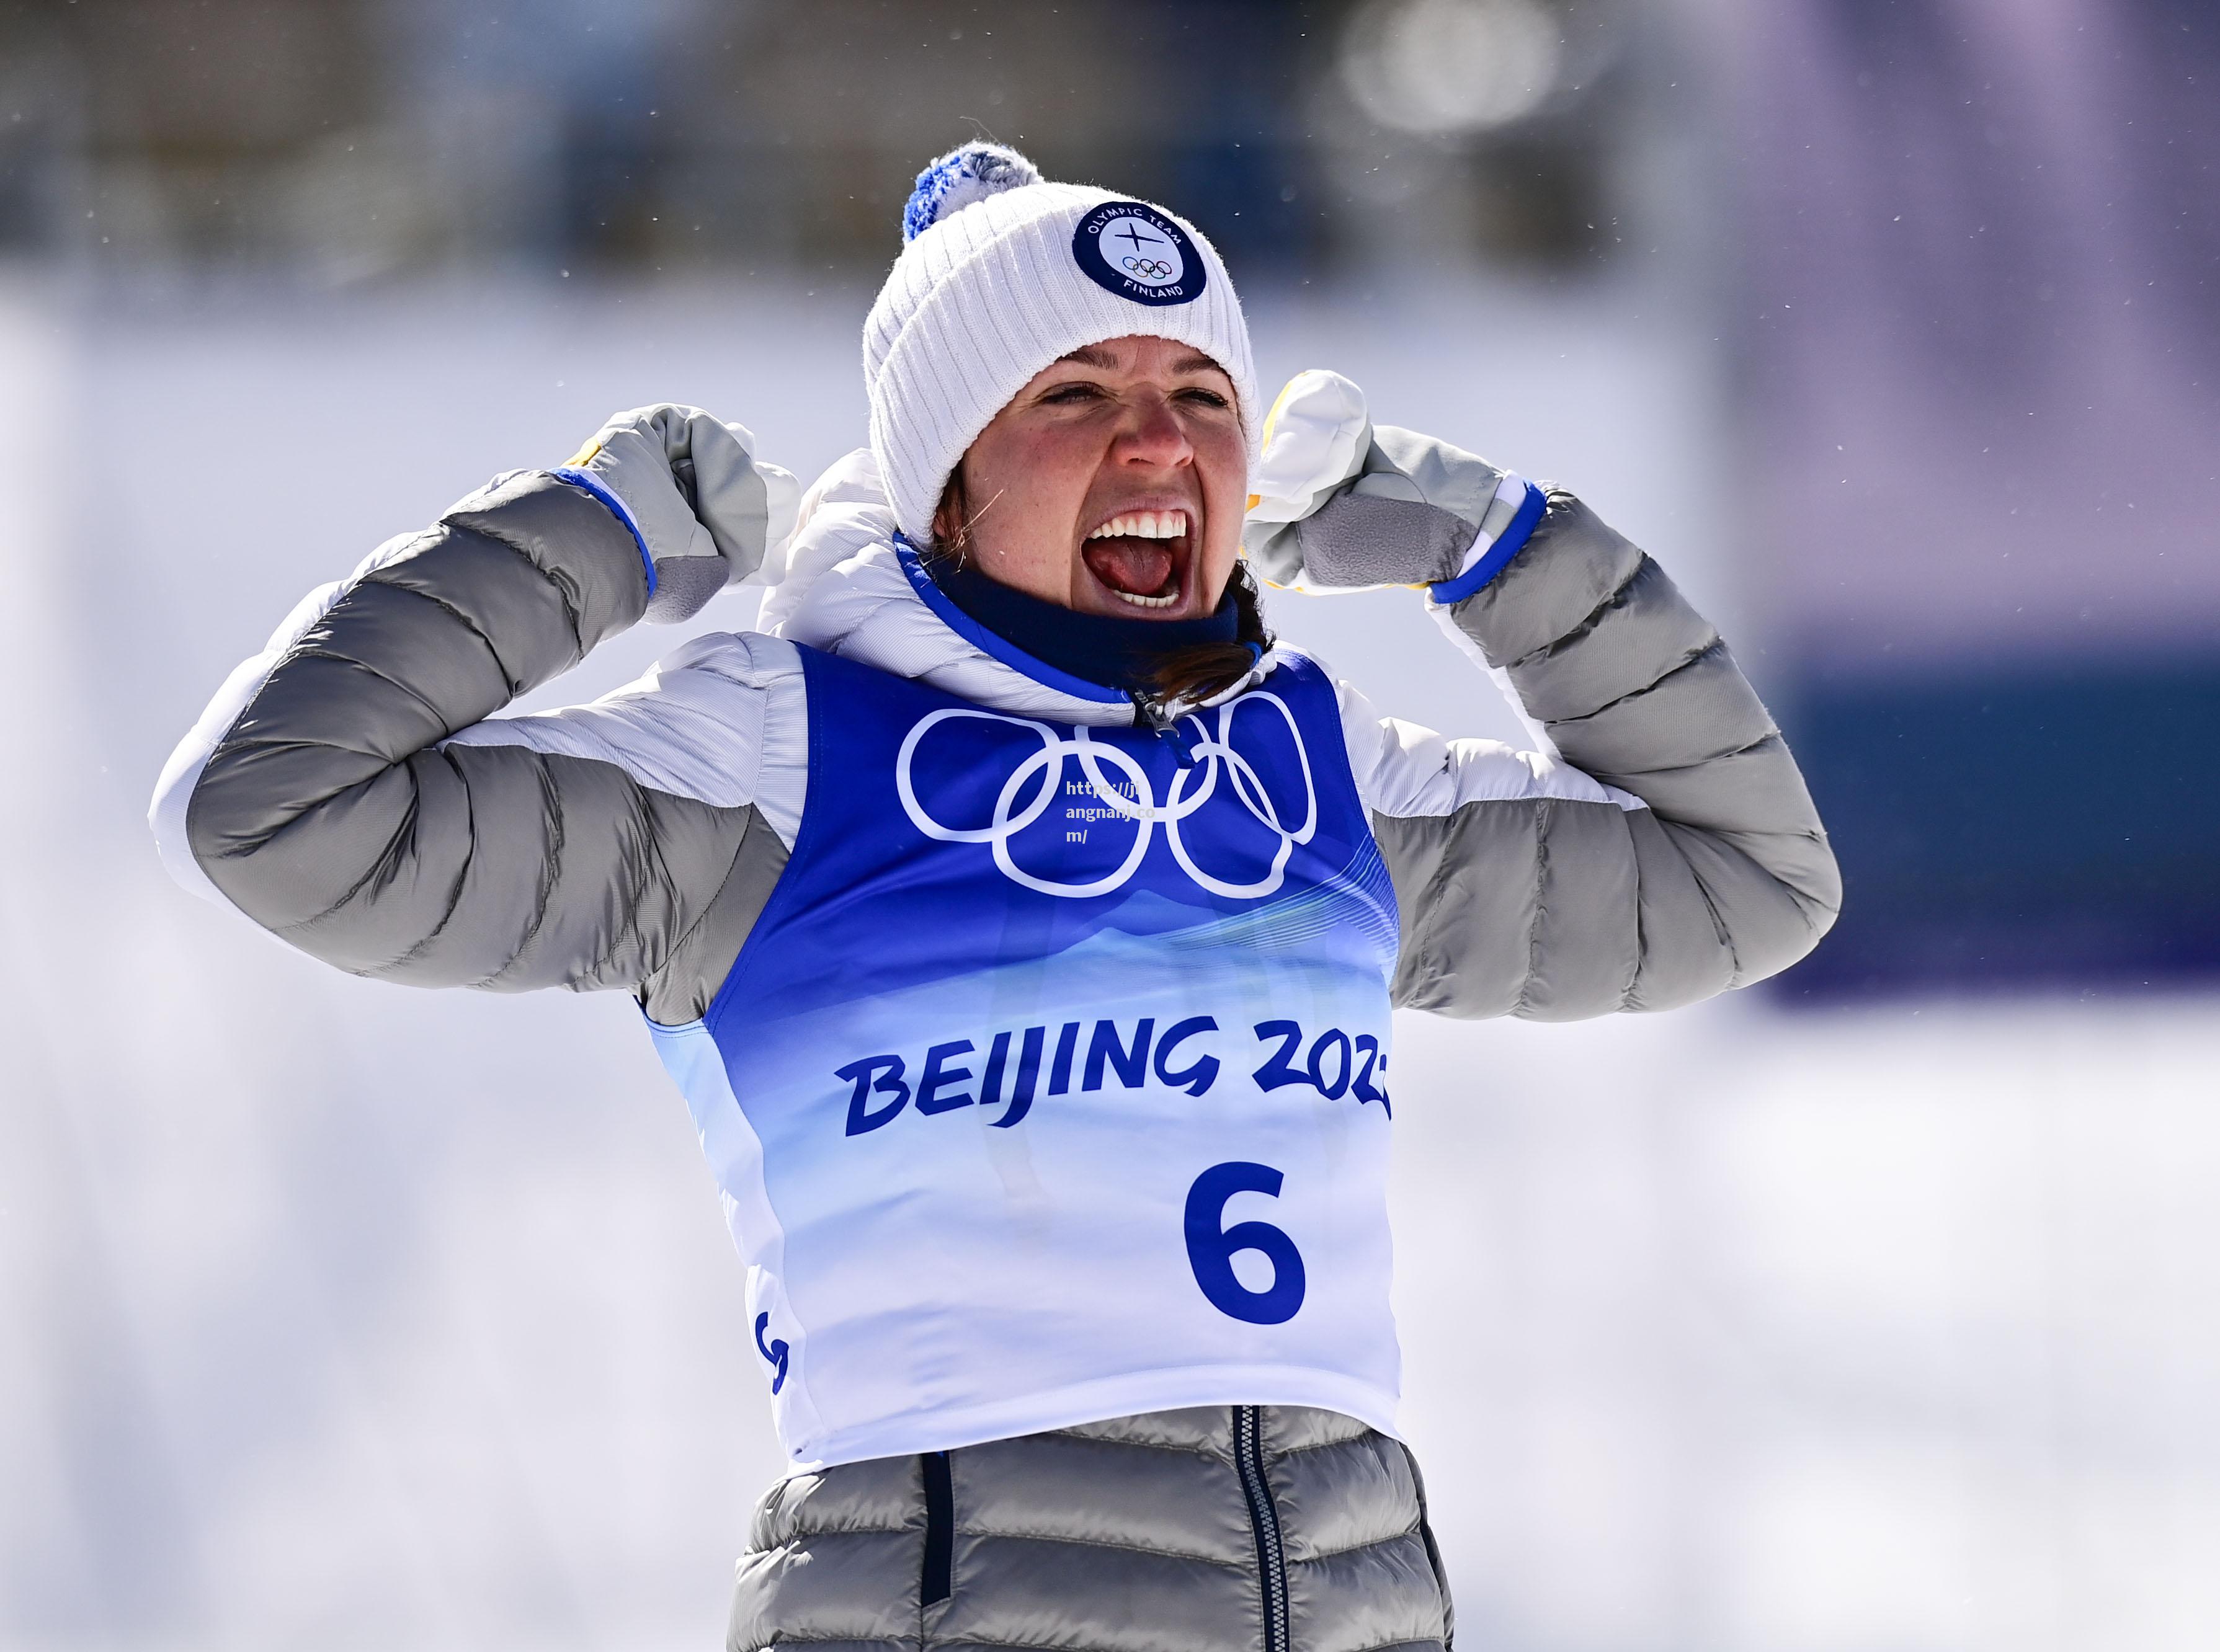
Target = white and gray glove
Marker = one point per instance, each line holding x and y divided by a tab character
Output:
709	513
1342	505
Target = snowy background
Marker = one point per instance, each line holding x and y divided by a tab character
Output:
334	1315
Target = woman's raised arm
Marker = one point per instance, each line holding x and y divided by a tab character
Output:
1659	848
341	786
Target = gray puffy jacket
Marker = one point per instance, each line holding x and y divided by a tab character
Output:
354	791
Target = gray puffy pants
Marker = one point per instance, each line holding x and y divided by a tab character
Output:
1249	1528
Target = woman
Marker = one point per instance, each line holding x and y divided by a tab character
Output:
1021	924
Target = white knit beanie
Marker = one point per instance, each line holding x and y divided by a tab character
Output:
1002	274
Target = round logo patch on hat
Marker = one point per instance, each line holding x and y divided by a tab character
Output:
1136	251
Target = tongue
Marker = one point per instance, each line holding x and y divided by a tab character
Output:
1137	567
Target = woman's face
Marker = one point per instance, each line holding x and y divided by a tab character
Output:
1114	483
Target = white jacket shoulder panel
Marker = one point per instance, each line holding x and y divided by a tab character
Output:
1405	770
724	720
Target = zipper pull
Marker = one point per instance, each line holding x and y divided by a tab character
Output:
1151	715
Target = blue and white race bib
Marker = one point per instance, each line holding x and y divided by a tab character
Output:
1051	1084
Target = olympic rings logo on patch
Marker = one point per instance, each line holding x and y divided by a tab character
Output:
1148	269
1037	782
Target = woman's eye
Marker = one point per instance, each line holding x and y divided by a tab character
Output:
1204	398
1072	393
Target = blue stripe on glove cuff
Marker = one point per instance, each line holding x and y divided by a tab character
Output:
594	485
1508	545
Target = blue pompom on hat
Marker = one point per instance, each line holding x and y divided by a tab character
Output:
999	276
970	172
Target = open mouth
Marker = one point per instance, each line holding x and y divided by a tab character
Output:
1140	556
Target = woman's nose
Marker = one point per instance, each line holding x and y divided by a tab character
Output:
1153	435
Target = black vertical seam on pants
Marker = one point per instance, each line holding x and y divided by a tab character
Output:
934	1585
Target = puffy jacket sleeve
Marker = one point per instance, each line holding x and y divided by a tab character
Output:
1659	848
326	795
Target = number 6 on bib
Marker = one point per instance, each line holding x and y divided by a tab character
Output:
1210	1248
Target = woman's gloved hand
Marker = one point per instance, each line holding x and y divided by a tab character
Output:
710	513
1340	505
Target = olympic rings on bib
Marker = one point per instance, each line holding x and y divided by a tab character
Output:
1037	781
